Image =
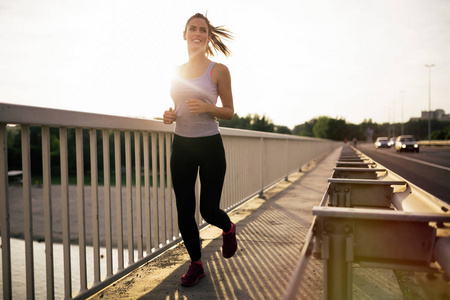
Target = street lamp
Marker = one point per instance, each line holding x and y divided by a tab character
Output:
402	92
429	101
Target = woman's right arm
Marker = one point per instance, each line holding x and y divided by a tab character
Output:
169	116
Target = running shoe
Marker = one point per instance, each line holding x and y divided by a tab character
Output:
229	246
192	276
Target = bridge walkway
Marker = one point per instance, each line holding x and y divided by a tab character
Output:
270	235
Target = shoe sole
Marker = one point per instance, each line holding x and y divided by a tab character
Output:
195	282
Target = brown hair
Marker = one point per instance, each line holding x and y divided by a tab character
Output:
216	34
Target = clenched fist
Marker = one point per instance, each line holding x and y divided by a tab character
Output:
169	116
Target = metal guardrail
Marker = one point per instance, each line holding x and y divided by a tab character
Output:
373	219
435	143
147	225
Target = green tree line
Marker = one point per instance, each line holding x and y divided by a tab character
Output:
339	129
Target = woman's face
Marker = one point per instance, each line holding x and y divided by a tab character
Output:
196	34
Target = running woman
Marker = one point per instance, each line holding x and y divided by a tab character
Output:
197	145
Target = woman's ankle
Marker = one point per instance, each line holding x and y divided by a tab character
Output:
231	228
198	262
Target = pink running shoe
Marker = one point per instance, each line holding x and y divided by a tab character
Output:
192	276
229	246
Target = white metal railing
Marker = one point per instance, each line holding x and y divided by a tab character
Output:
148	226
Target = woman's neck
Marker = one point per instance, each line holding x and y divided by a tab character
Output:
197	58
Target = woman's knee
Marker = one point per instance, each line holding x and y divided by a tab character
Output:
209	213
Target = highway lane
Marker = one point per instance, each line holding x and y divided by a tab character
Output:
429	169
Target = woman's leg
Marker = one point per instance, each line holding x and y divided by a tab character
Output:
184	174
212	175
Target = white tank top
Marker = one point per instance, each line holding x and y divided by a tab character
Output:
203	88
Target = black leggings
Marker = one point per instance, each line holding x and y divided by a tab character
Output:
190	156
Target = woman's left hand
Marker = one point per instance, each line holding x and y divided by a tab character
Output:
198	106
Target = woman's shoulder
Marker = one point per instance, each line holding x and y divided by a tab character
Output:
220	66
221	69
220	73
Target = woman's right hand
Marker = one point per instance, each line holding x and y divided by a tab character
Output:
169	116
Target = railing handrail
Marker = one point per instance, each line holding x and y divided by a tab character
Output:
42	116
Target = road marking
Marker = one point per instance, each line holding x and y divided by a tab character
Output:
419	161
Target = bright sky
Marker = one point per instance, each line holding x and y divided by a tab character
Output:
292	60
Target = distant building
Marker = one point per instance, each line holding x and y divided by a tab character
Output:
438	114
369	135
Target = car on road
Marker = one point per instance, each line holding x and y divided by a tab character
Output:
382	142
392	141
406	143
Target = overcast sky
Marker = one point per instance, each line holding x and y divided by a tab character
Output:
292	60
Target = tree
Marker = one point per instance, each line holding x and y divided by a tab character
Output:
337	129
237	122
447	132
262	124
249	122
320	129
282	129
305	129
443	134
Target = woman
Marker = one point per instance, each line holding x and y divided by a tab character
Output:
197	144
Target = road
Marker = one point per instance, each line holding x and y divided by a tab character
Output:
429	169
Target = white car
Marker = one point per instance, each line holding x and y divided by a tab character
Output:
406	143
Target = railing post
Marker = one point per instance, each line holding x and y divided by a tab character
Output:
27	211
94	199
261	193
169	207
137	162
4	215
81	208
154	203
162	188
47	205
65	211
287	161
107	189
128	176
118	171
148	216
337	252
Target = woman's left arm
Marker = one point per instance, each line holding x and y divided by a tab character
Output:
226	112
221	75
